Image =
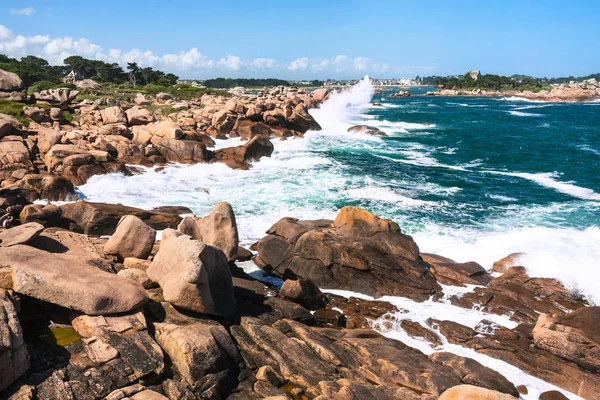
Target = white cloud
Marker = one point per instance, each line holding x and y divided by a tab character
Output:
231	62
361	63
299	64
22	11
188	63
263	63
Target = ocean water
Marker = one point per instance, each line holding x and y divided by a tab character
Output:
468	178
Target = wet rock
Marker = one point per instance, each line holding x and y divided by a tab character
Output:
181	151
552	395
449	272
511	260
193	275
42	275
218	229
367	130
523	298
21	234
132	238
417	330
359	311
358	251
239	157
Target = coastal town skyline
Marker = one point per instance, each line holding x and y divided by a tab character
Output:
211	40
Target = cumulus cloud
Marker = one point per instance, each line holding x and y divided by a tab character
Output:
191	62
22	11
299	64
263	63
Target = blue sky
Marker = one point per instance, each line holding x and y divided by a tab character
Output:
313	39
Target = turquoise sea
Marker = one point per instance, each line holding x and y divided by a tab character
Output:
469	178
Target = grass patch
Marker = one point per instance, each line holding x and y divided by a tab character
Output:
14	109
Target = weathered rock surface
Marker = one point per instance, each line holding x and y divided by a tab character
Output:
132	238
43	275
218	229
358	251
14	359
204	357
449	272
102	218
469	392
511	260
303	292
523	298
239	157
574	337
21	234
193	275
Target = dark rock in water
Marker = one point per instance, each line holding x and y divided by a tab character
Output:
368	130
358	251
102	219
417	330
449	272
514	293
358	311
329	316
517	348
239	157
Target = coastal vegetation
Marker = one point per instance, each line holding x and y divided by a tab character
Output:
498	82
228	83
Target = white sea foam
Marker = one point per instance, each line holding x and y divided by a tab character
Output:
388	195
567	254
443	310
500	197
589	149
524	114
550	180
515	98
533	107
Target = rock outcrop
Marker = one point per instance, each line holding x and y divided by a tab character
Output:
11	86
14	359
358	251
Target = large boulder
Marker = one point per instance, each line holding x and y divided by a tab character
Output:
574	337
193	275
113	115
11	86
88	84
367	130
67	281
132	238
320	94
14	359
61	97
359	251
181	151
218	229
302	121
14	155
21	234
137	115
102	219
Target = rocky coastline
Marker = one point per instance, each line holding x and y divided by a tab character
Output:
95	304
572	92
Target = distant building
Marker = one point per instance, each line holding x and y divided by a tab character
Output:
72	77
474	74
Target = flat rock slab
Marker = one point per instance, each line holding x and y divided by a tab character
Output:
67	281
21	234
